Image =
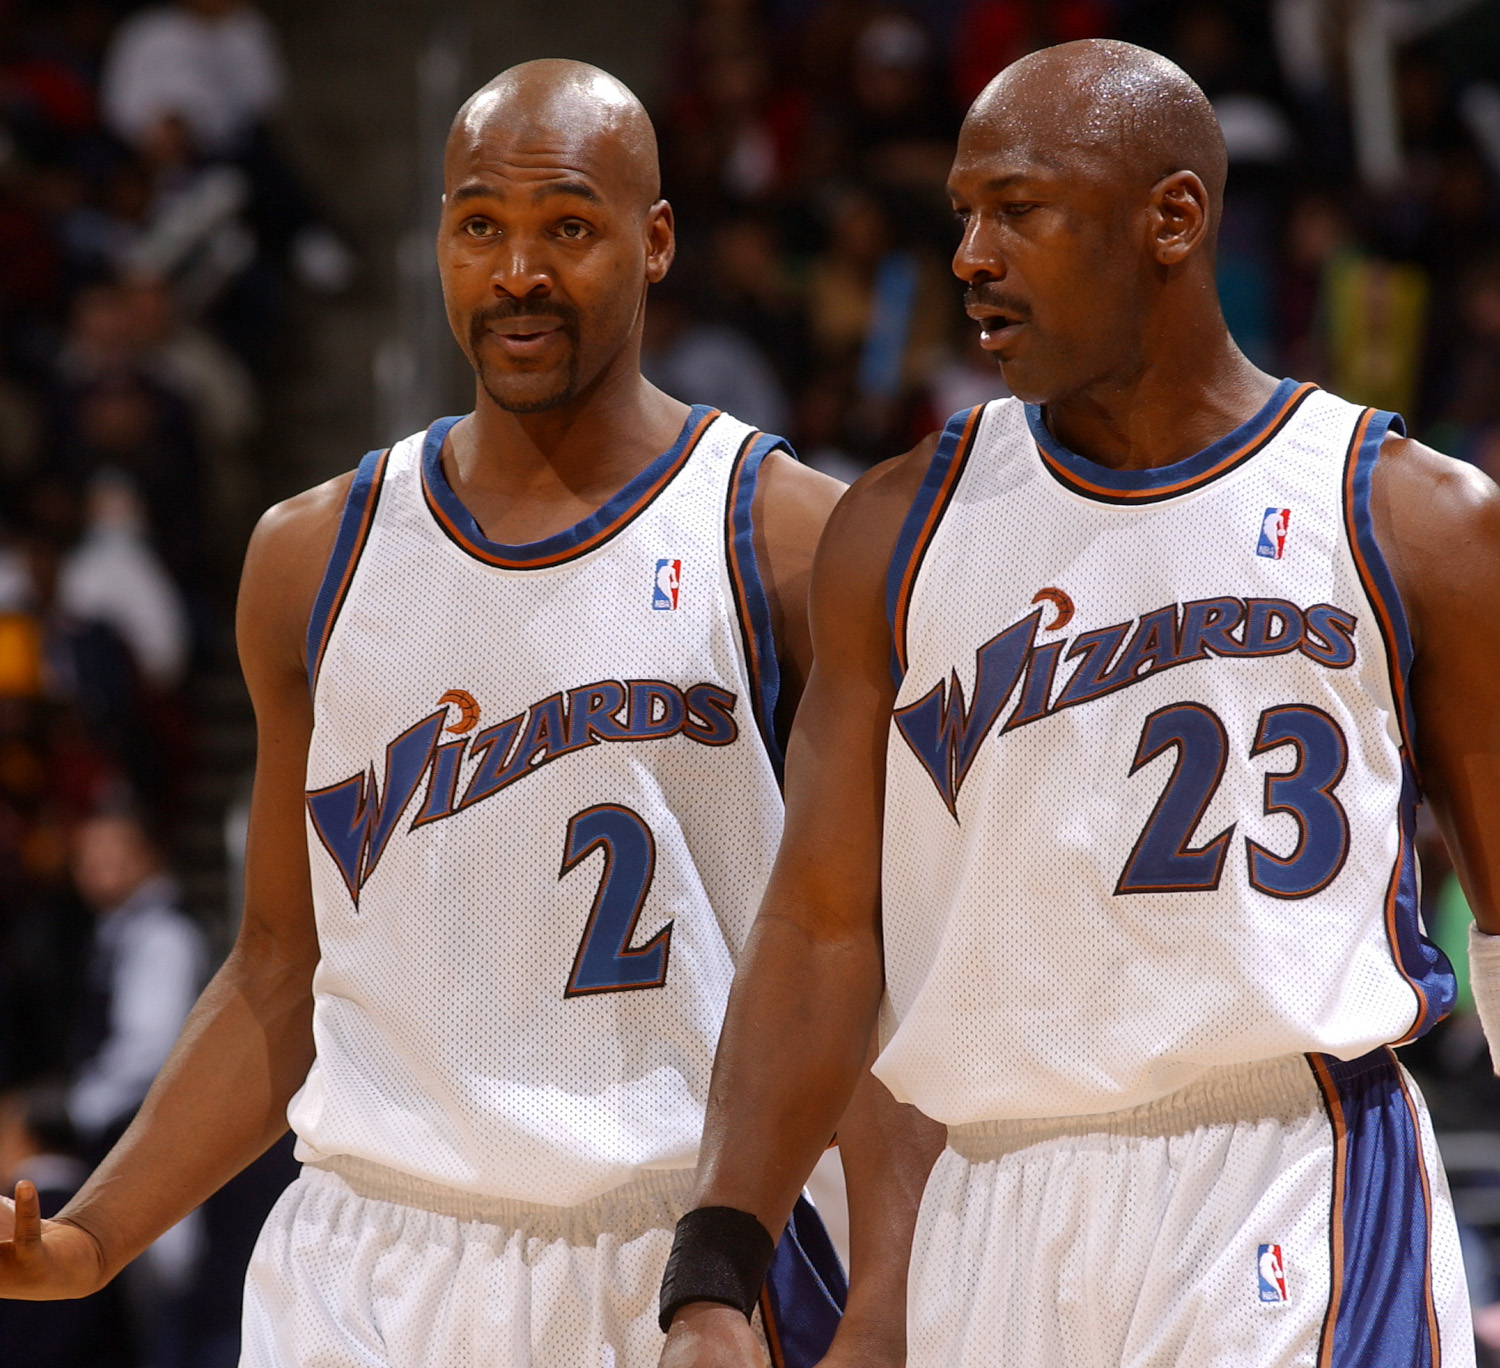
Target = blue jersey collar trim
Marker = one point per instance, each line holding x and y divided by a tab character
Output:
608	519
1089	478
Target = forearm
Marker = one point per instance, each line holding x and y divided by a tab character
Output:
887	1150
219	1101
793	1047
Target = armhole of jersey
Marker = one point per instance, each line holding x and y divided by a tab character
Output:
921	522
354	531
1419	961
751	605
1380	588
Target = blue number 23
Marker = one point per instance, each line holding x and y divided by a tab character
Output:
1165	861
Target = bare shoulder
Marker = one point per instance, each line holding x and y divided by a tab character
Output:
793	504
284	566
854	558
862	533
1437	521
1421	482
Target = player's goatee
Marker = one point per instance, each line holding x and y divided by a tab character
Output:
527	401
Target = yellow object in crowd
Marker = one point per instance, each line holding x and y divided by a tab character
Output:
20	656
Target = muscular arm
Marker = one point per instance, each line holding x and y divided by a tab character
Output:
1438	524
220	1099
791	1067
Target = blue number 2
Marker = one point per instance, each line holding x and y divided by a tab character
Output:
606	962
1163	861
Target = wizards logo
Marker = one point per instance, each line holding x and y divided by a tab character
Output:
945	729
356	818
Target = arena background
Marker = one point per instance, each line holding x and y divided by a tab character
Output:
207	306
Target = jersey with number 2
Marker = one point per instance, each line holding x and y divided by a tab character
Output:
542	804
1150	798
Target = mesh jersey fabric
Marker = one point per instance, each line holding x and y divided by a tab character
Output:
540	816
1149	805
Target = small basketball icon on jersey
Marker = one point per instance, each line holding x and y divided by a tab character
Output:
668	585
1273	533
1270	1273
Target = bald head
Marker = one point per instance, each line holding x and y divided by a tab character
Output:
1116	107
1089	178
567	110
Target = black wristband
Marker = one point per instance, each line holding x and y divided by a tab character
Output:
718	1255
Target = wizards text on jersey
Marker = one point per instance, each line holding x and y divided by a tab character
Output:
945	731
356	817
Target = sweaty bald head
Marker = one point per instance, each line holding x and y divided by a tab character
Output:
1108	106
1089	178
565	111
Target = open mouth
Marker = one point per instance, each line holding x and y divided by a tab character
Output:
996	326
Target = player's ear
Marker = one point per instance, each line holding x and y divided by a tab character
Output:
661	241
1179	217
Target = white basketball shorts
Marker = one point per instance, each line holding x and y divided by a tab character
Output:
1291	1212
363	1268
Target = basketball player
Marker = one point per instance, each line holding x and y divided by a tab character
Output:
1138	770
518	683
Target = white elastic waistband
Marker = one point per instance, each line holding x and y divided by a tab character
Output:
655	1199
1271	1089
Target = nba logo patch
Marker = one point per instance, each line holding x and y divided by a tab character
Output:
1270	1273
667	586
1273	533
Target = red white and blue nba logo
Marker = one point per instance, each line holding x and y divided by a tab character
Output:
1273	533
667	586
1271	1273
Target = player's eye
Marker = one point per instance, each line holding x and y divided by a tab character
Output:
574	230
1017	208
479	228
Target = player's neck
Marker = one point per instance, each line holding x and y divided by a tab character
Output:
526	476
1196	387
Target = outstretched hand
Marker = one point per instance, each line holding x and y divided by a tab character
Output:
44	1260
707	1335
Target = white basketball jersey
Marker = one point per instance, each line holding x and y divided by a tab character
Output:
542	806
1149	802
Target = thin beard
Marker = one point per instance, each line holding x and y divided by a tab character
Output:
569	389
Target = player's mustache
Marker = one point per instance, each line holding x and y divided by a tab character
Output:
501	309
989	297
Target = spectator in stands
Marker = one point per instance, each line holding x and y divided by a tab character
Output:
899	126
194	84
706	361
214	64
113	576
148	963
109	414
879	311
750	286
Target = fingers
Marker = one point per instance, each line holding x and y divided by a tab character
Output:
26	1233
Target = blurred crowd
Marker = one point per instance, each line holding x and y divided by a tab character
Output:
806	144
151	231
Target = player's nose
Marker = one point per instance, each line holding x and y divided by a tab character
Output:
519	271
977	258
